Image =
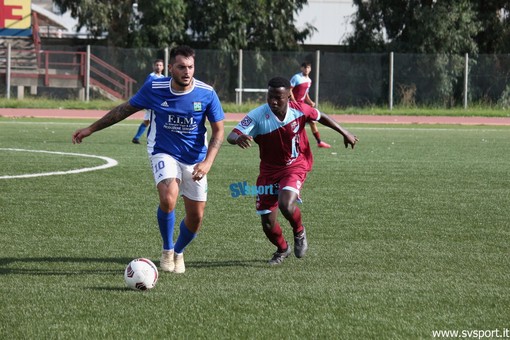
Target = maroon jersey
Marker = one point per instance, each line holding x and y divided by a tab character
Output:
283	145
300	86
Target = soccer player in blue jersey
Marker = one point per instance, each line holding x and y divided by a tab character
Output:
176	143
158	67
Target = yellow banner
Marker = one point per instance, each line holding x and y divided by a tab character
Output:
15	14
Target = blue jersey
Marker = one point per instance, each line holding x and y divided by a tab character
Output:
154	76
151	76
177	124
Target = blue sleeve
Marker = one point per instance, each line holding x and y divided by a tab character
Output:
248	124
140	99
215	110
294	81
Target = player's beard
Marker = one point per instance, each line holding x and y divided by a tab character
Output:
182	84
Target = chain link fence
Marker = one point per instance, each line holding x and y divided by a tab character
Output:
339	79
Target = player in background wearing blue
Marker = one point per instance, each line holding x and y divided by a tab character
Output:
300	85
158	67
176	143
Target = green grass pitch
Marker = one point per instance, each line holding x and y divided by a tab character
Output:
409	233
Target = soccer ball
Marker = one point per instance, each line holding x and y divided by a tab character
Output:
141	274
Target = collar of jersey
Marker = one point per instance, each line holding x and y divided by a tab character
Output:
177	93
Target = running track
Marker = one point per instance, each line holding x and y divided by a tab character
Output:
94	114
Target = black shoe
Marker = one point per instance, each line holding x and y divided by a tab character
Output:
300	244
136	141
279	257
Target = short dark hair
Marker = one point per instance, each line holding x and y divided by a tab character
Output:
279	82
183	50
306	63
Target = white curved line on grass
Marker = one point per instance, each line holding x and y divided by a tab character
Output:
110	162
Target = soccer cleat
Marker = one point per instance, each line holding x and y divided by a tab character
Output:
179	263
300	244
136	141
166	262
323	145
279	257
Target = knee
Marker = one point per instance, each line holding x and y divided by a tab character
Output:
166	204
193	222
286	207
267	223
195	219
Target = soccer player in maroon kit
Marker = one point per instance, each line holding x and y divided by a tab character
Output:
278	127
300	85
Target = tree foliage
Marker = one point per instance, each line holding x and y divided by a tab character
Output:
431	26
102	17
419	26
248	24
160	24
494	16
215	24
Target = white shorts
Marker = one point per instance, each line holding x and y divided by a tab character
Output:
165	166
147	115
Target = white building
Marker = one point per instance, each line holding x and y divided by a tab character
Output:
331	18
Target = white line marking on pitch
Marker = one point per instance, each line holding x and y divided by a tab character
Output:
110	162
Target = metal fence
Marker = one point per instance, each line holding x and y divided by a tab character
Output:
340	79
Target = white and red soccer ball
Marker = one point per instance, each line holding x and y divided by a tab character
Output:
141	274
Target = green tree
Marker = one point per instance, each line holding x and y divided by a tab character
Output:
161	23
419	26
111	17
445	30
216	24
494	17
249	24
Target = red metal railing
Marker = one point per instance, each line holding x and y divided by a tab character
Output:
66	69
69	69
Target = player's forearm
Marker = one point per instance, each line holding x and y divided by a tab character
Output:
214	146
113	116
327	121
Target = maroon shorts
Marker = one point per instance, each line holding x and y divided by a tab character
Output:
269	186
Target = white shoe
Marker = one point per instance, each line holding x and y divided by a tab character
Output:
179	263
166	262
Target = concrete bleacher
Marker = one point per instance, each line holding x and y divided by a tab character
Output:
23	63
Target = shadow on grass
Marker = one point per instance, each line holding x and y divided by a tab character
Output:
115	289
69	265
94	266
228	263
